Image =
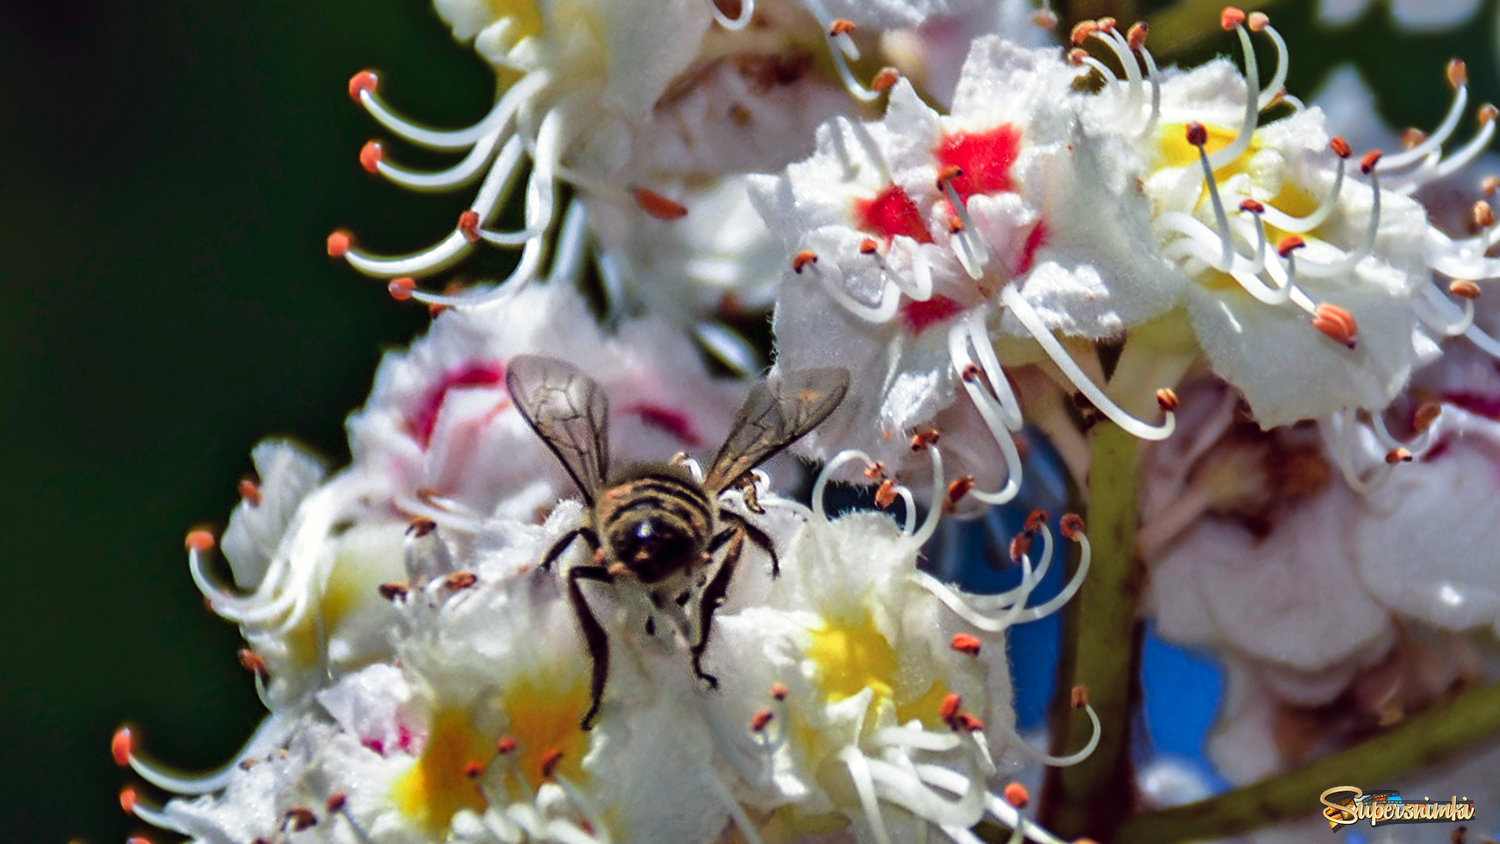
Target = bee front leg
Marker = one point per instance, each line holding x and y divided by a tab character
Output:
566	540
593	635
760	538
713	597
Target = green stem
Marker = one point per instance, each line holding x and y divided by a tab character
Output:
1101	637
1460	721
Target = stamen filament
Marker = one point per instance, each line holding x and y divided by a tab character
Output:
1075	374
1242	140
747	11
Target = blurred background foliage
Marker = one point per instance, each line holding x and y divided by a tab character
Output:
171	171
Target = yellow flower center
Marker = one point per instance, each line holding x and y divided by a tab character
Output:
438	785
543	710
857	656
525	17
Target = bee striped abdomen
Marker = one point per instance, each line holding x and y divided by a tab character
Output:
656	522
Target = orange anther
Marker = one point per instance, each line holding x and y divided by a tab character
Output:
1399	454
1458	73
1337	323
339	243
337	801
779	691
473	769
1135	36
875	471
951	706
1197	134
885	494
254	663
925	439
948	174
1035	521
550	760
370	156
1044	19
401	288
884	79
802	259
1076	56
127	800
1253	206
460	580
840	26
1340	147
968	723
1489	184
959	488
250	493
1367	164
1231	17
468	224
121	746
1412	136
506	746
1071	525
760	719
359	83
1081	32
393	591
869	246
659	206
1166	399
1287	245
301	818
965	643
1258	21
200	541
1079	697
1020	546
1463	288
1487	112
1017	795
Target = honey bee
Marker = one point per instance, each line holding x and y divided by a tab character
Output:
655	522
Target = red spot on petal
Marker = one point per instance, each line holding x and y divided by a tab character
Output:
404	738
890	213
1478	404
478	374
375	744
1035	239
919	316
985	159
668	419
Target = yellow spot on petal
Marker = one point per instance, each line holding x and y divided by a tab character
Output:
854	657
543	713
1171	139
525	19
926	708
436	787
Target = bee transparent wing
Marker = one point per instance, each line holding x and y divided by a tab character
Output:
777	412
569	411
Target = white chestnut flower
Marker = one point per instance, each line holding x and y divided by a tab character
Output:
1026	228
439	451
859	690
621	101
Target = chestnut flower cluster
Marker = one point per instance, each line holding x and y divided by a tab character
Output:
999	235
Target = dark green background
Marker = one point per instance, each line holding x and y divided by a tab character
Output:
169	174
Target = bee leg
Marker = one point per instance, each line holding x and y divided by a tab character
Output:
562	544
593	635
761	539
713	596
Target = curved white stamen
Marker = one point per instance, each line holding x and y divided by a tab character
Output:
525	271
436	258
890	297
1075	374
1242	140
930	524
911	793
1433	142
157	818
843	50
541	188
995	410
1301	225
864	787
1417	447
967	245
231	606
460	174
1076	757
1436	312
1218	205
747	11
454	139
571	249
1466	154
1340	440
1150	62
216	780
1085	554
1278	78
1359	253
1117	44
867	143
729	347
961	606
1454	260
1010	816
450	515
